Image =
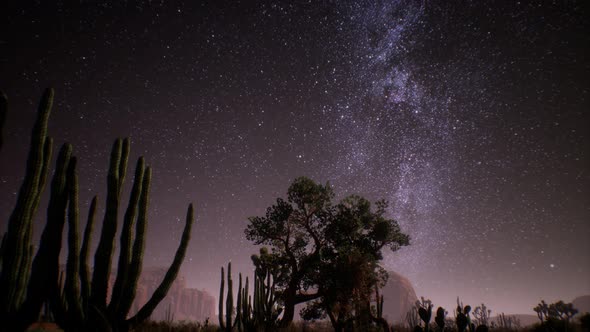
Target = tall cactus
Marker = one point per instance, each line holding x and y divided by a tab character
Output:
126	232
221	294
72	284
229	322
82	304
45	269
160	292
104	252
84	270
17	241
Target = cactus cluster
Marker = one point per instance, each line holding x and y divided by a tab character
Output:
78	303
257	312
423	311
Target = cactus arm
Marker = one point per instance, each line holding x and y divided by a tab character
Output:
123	162
103	255
125	251
138	246
239	305
84	270
45	268
72	285
229	303
171	274
221	293
47	153
20	219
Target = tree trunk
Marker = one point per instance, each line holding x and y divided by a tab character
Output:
289	309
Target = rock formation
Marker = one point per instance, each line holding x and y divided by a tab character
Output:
183	303
582	303
399	297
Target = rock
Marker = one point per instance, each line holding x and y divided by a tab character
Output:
582	303
183	303
399	298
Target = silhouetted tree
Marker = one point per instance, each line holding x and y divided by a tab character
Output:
311	238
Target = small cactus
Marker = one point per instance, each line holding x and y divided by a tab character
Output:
440	318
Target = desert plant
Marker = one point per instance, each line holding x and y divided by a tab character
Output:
509	323
412	318
229	322
76	303
462	318
440	318
481	315
555	315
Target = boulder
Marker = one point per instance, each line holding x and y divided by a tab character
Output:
183	303
582	303
399	298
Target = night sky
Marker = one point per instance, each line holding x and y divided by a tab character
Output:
471	119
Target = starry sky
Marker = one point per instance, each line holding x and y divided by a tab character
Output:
471	119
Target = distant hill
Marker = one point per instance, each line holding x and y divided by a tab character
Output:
582	303
524	319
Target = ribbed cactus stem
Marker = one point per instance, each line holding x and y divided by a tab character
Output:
103	255
138	247
230	300
146	311
126	232
15	245
221	294
239	304
72	285
47	154
45	268
84	270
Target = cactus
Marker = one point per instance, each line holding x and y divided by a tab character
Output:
440	318
125	254
425	314
72	283
265	309
103	256
84	270
77	303
221	288
229	322
16	245
462	318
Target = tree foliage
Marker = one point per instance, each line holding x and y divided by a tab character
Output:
324	251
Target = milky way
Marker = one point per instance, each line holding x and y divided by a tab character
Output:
470	120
